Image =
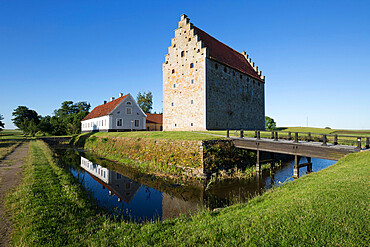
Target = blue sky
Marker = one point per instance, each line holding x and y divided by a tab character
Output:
315	54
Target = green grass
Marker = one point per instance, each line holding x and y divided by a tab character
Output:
327	208
8	134
166	135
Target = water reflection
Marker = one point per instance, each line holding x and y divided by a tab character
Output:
129	195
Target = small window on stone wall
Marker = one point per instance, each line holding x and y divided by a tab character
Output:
225	69
233	73
192	81
174	45
216	66
254	82
182	54
171	103
259	84
247	79
191	65
189	39
174	85
241	77
173	71
191	124
198	50
191	101
175	125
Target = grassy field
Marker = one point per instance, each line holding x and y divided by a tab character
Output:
7	134
329	207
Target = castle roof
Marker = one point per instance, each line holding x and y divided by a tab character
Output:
105	109
154	118
225	54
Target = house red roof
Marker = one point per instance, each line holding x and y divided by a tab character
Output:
154	118
225	54
105	109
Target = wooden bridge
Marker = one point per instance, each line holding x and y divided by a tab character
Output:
310	145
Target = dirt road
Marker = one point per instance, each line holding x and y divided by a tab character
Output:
10	177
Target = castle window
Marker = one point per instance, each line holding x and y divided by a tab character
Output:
191	101
166	62
182	54
198	50
174	45
191	124
172	104
192	81
216	66
175	125
225	69
189	39
233	73
174	85
259	84
241	77
191	65
254	82
247	79
173	71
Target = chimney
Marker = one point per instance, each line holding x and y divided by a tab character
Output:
105	102
120	94
111	99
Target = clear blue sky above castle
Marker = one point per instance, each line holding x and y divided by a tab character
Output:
314	53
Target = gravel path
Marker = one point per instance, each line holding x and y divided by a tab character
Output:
10	177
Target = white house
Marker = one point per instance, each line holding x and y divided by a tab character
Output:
120	114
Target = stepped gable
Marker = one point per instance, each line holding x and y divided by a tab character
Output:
154	118
225	54
105	109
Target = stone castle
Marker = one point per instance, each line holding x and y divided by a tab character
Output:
209	86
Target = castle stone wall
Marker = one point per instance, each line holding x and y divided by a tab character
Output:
184	81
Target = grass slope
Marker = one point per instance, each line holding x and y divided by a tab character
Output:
329	207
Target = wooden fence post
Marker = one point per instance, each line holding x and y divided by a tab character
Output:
227	133
241	133
324	140
309	136
335	139
272	134
289	135
255	134
258	135
276	136
367	143
296	137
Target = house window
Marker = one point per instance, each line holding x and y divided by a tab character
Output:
174	85
192	81
128	110
171	103
225	69
216	66
191	124
191	65
119	122
128	103
128	186
241	77
191	101
137	123
233	73
182	54
247	79
189	39
175	125
173	71
174	45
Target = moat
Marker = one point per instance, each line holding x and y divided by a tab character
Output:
127	195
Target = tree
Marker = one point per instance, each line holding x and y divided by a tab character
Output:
2	125
270	123
23	116
67	119
145	101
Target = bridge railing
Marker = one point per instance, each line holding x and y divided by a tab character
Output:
335	139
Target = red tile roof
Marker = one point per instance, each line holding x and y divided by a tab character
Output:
225	54
154	118
105	109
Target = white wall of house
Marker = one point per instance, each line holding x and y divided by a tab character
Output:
126	116
96	124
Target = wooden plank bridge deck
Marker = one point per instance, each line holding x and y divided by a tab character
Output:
300	148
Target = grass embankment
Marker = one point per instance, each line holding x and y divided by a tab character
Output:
345	137
329	207
165	135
